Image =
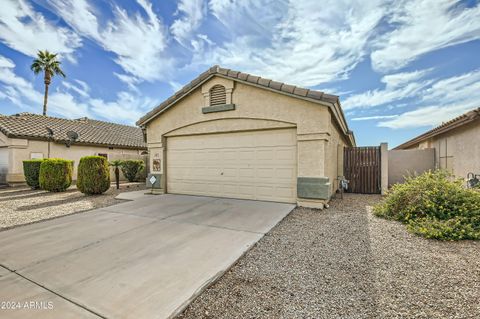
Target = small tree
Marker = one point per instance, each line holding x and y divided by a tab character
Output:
130	169
31	170
93	175
116	164
55	174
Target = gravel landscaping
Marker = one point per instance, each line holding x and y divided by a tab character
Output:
345	263
22	205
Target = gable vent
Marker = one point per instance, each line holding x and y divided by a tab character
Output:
218	96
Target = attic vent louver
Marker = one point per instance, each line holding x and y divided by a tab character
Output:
218	96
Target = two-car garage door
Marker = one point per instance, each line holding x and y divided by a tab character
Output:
258	165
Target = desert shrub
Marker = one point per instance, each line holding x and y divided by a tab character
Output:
55	174
434	205
93	176
31	170
131	168
456	228
142	174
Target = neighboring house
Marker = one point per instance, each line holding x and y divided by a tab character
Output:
25	136
456	144
232	134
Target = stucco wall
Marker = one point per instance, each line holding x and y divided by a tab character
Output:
4	158
461	147
334	156
255	108
457	150
251	103
408	162
21	149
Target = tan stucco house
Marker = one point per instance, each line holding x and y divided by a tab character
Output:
232	134
26	136
456	144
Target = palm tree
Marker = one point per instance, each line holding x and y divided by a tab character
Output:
48	63
116	164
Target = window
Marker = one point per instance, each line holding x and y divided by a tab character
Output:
445	155
218	96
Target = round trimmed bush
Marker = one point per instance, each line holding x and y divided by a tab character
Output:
31	170
55	174
131	168
93	175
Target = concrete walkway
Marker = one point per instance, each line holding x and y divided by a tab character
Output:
147	258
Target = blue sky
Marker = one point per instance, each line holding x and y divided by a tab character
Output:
399	67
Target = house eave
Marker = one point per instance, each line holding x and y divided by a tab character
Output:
464	119
59	141
334	106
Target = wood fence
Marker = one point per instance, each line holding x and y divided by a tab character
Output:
362	169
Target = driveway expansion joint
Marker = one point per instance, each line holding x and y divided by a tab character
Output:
218	227
93	243
53	292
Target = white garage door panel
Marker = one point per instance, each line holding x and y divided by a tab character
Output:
252	165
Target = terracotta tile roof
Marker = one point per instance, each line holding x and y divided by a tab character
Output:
444	127
93	132
316	96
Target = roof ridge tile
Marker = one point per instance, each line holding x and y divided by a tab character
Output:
93	131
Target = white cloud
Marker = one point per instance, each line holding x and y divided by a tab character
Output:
138	41
444	100
421	27
192	13
27	31
175	85
126	107
201	43
426	116
397	87
81	88
375	117
66	105
6	63
456	89
16	86
79	14
400	79
301	42
22	93
131	81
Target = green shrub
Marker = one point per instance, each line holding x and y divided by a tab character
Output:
434	205
131	168
55	174
31	170
142	174
93	176
456	228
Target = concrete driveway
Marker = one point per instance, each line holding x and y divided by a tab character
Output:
147	258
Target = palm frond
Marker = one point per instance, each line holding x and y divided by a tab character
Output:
47	62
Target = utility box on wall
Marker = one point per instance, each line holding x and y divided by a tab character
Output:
154	182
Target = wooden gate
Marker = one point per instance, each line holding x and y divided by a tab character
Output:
362	169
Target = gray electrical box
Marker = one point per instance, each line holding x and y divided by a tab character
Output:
154	181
